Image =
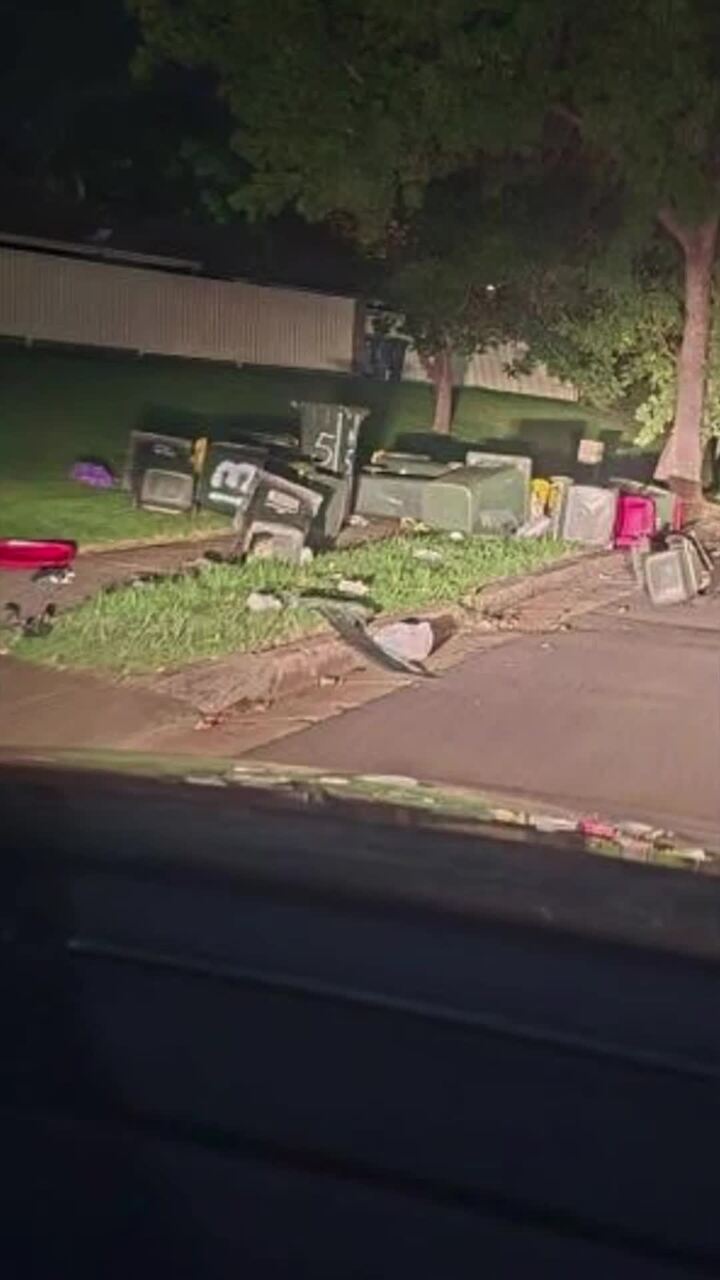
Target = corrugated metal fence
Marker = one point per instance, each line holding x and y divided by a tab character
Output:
62	299
488	369
49	298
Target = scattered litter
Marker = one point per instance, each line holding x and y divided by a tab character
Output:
54	577
456	536
210	720
406	641
510	817
353	587
95	474
388	780
501	619
409	524
690	855
346	618
265	780
664	840
263	602
638	830
597	829
307	555
205	780
357	521
538	527
548	823
428	555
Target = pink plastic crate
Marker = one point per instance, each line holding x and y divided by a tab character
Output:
636	518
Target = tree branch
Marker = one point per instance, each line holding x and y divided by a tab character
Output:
698	237
354	75
430	364
672	224
567	113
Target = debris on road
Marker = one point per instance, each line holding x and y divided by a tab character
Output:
408	641
345	618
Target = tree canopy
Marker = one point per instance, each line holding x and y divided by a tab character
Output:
75	123
357	105
354	109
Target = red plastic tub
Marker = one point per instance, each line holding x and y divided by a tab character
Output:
36	553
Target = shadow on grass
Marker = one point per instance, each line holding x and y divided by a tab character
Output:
170	420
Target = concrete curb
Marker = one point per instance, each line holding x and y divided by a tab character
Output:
215	686
212	687
160	543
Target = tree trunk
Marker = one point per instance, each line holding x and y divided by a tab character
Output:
439	369
681	460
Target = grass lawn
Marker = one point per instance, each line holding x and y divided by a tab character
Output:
62	509
165	624
57	406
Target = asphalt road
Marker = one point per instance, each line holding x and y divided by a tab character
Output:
619	716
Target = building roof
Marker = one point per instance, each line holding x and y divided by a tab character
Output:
286	252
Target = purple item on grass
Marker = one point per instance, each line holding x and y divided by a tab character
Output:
95	474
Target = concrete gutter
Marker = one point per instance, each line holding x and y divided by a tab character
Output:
212	687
